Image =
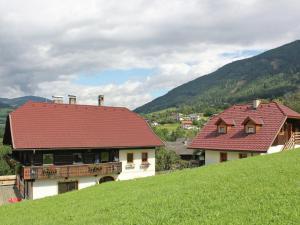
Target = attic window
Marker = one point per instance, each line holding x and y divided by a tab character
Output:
222	129
250	129
252	124
224	125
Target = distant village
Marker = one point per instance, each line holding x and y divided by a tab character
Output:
187	122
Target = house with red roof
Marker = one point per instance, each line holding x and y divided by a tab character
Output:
247	130
187	124
64	147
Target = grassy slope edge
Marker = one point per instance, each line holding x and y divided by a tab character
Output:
257	190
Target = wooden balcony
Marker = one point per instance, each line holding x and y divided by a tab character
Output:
80	170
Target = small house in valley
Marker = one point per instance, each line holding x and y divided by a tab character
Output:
247	130
64	147
187	125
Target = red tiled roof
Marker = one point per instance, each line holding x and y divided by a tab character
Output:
273	115
255	120
288	112
49	125
227	121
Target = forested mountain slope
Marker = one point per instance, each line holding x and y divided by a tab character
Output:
274	74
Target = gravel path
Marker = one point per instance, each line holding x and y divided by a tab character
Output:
7	192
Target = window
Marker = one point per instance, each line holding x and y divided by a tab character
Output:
129	157
47	158
144	157
242	155
104	156
250	129
222	129
223	156
77	157
67	186
97	160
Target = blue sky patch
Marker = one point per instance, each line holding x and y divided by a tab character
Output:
244	53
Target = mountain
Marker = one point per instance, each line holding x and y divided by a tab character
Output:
274	74
15	102
7	105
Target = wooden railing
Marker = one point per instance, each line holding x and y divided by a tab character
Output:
80	170
7	180
297	138
294	140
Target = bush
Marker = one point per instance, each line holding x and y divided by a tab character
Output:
5	169
166	160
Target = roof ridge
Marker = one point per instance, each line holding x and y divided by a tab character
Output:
74	105
279	107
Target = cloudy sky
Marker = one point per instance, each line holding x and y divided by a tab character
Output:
131	50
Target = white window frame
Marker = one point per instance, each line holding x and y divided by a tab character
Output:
222	130
250	130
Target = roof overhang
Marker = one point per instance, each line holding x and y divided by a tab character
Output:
230	150
228	122
257	121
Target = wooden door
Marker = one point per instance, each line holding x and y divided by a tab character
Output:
223	156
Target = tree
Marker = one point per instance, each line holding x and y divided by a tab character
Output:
5	169
165	160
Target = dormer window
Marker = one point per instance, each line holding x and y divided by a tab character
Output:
224	125
222	129
252	124
250	129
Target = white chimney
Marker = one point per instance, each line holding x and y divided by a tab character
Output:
58	99
72	99
100	100
256	103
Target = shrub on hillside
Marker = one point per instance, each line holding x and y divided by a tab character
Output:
5	169
169	160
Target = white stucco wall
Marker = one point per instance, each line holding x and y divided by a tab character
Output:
45	188
84	182
212	157
136	171
274	149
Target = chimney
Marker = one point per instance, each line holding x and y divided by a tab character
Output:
72	99
100	100
256	103
58	99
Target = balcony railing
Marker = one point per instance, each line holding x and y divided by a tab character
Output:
80	170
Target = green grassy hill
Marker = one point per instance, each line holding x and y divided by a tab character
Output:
270	75
259	190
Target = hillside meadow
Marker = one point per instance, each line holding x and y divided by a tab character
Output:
258	190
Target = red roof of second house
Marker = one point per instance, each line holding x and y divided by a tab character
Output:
227	121
255	120
49	125
270	115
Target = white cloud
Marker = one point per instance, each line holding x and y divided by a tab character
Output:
46	44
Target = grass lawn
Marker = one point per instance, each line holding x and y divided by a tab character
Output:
169	126
258	190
